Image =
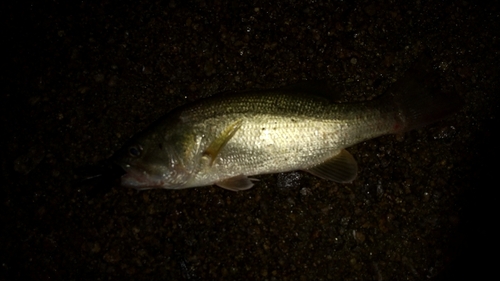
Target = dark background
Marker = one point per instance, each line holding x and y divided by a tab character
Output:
79	79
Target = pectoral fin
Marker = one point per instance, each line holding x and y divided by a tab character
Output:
218	144
237	183
340	168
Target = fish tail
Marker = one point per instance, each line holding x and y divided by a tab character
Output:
418	100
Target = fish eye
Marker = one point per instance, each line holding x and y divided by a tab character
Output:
135	150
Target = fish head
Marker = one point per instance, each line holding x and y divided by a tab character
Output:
151	161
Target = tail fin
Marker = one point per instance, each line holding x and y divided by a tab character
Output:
418	100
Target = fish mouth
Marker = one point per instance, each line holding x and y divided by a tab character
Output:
140	180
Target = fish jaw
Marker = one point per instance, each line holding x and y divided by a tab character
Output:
153	177
140	180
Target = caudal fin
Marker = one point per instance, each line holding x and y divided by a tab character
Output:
419	100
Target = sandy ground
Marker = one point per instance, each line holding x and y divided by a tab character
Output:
78	80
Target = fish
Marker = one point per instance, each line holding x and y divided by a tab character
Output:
228	138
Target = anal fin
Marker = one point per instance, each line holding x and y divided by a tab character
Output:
340	168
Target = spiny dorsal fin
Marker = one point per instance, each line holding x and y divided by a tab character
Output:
333	92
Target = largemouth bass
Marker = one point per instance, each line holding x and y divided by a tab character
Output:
225	139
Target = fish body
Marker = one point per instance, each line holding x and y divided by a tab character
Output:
227	138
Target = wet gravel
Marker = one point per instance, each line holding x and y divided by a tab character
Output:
79	79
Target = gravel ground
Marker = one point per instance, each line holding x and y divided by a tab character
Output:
78	80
